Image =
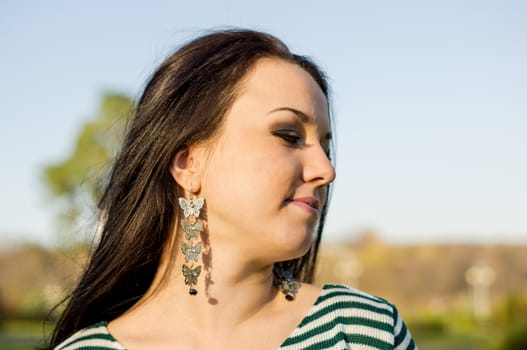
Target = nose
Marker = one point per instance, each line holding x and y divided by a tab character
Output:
318	167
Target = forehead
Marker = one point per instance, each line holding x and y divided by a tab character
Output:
274	83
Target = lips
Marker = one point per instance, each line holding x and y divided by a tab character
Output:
309	204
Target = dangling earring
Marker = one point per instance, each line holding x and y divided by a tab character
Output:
285	282
191	225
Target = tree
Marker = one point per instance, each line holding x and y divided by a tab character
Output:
78	181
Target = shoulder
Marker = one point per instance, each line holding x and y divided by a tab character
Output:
344	299
340	303
95	337
345	317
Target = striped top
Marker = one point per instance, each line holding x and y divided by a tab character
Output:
341	318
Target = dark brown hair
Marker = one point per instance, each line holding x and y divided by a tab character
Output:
184	103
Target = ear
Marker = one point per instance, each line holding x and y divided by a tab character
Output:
186	169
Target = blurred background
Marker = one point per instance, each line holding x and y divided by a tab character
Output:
429	208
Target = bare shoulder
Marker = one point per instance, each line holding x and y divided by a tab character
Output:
309	291
306	296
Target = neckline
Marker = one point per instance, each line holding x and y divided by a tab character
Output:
309	312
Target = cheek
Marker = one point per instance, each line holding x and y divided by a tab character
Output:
255	177
246	172
253	157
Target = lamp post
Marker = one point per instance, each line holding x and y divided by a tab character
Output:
480	277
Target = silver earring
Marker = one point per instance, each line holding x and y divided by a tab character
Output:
192	226
285	282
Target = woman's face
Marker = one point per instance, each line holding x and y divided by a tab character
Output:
265	178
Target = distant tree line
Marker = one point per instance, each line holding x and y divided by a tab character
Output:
76	182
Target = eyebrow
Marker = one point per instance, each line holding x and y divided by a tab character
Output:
305	118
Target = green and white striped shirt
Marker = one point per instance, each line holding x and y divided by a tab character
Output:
341	318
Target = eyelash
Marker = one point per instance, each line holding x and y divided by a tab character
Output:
289	136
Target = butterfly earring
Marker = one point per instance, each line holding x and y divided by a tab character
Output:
192	226
285	282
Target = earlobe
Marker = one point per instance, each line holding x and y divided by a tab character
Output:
184	170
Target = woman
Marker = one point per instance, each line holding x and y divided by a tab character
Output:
209	214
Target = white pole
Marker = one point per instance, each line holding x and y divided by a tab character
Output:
480	277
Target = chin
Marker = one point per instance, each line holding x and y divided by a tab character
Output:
295	248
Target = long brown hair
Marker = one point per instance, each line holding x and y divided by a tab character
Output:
184	103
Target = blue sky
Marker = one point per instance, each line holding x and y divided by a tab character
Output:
429	99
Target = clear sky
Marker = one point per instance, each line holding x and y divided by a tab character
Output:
430	100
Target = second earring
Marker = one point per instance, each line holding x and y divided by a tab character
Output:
192	226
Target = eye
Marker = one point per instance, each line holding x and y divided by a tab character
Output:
289	136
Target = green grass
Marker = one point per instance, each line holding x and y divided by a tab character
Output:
454	330
21	334
452	342
8	342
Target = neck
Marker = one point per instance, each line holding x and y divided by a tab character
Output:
230	290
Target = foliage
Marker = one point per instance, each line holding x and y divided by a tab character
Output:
511	310
510	316
428	326
514	338
77	182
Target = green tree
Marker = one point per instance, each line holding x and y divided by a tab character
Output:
77	182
